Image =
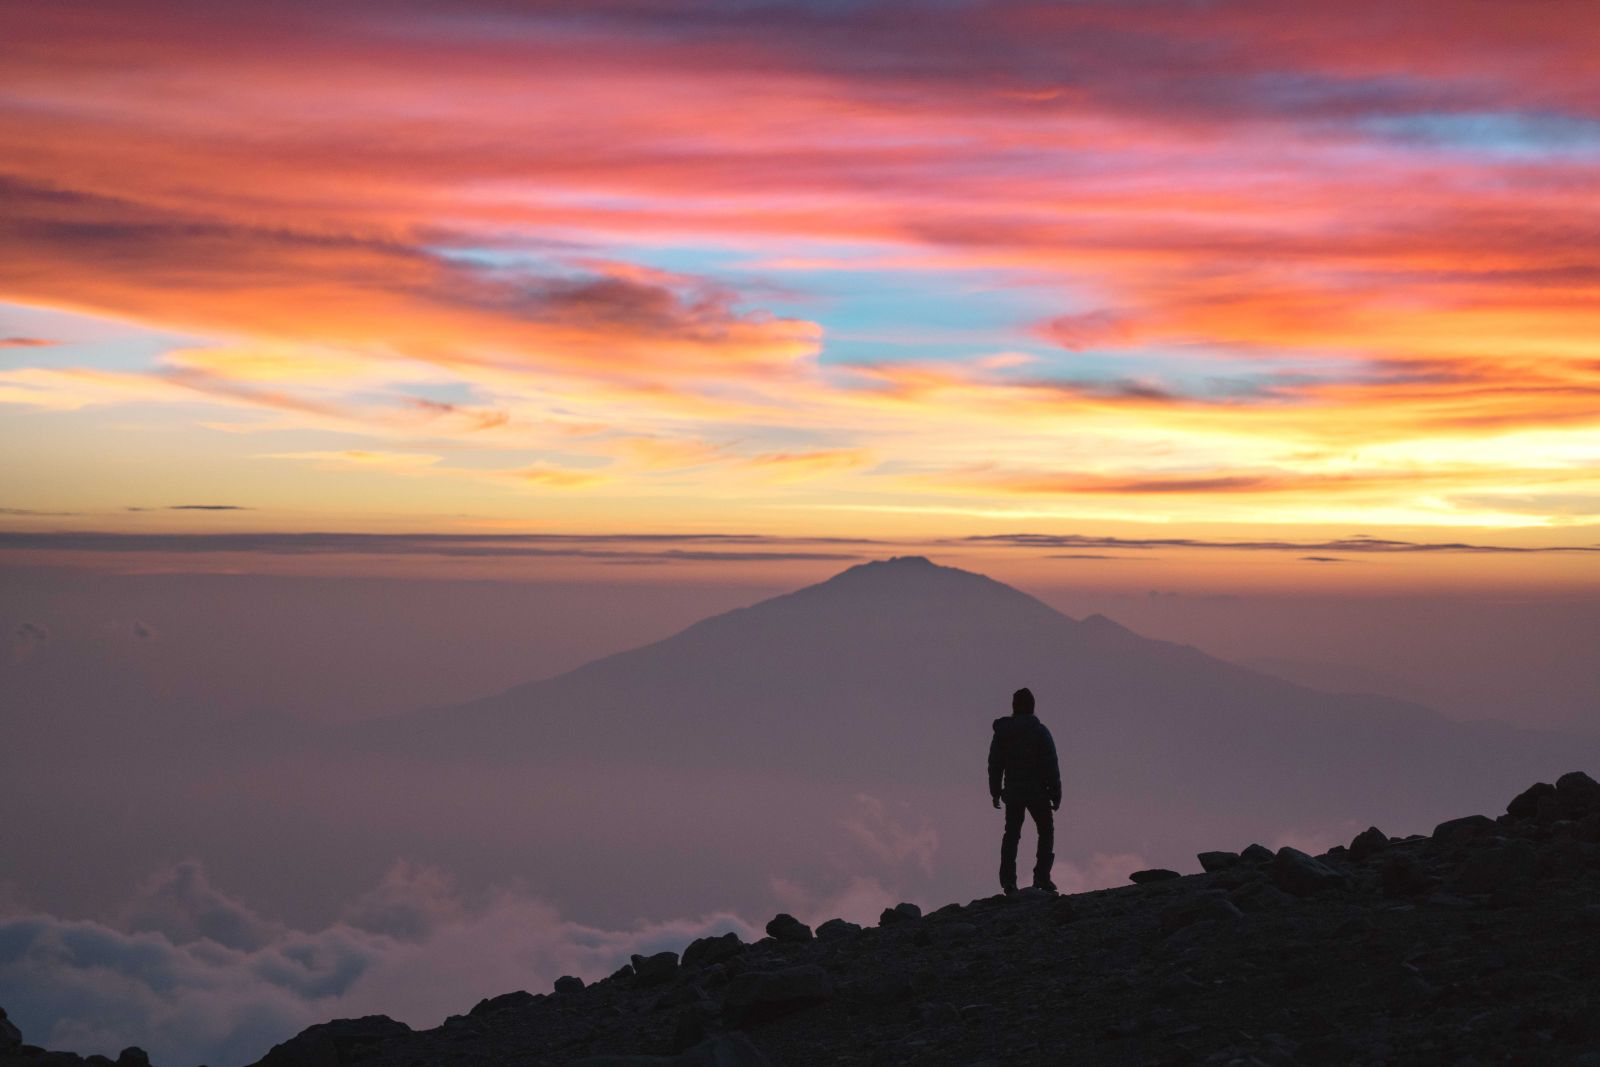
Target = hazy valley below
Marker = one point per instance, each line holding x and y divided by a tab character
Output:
819	752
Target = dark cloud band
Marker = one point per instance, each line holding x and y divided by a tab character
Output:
1348	544
697	548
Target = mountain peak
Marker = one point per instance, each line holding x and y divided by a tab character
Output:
911	575
899	563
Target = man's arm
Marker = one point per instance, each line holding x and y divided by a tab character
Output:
1052	770
996	769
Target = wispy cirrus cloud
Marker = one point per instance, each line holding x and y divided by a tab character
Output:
1377	545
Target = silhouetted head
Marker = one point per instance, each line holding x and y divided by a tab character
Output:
1022	702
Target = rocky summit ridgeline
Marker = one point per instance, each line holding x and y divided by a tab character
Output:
1477	944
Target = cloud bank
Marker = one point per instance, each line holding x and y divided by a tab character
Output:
194	975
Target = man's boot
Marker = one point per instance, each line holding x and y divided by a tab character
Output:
1041	872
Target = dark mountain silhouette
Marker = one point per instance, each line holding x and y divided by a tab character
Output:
891	671
1474	944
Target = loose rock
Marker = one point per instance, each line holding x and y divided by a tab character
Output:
1461	831
834	929
704	951
1577	794
786	927
504	1002
1368	842
1525	805
654	970
1295	872
898	914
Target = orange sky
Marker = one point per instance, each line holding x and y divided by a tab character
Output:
1238	272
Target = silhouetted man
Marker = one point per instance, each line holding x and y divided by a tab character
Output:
1023	770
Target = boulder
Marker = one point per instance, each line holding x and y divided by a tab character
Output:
786	927
1295	872
1154	874
10	1036
504	1002
756	996
834	929
653	970
1461	831
327	1044
1577	794
1211	862
1256	854
572	984
898	914
1368	842
1525	805
134	1056
704	951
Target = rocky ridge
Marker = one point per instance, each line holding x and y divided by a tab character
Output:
1476	944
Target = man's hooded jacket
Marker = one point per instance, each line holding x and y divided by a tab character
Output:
1022	759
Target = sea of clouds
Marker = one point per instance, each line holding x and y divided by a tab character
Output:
193	975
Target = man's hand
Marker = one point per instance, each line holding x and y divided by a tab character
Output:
1055	804
996	802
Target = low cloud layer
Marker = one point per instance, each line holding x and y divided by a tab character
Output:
623	548
706	547
192	974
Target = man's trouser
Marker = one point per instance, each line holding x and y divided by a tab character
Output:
1031	802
